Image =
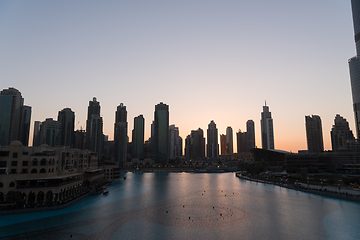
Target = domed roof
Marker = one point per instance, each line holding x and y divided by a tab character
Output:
16	143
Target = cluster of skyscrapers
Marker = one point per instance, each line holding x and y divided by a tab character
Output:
165	142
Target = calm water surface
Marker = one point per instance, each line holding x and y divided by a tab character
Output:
191	206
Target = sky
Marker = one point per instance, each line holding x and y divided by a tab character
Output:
208	60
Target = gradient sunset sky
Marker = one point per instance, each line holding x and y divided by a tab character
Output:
208	60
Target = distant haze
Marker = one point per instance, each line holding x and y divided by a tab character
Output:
208	60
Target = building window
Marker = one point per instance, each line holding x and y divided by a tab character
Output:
13	163
24	170
12	184
25	153
35	161
15	155
4	153
2	163
25	163
43	162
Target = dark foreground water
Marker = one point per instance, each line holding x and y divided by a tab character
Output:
191	206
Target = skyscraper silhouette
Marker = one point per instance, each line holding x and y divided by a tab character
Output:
120	135
250	135
67	119
314	134
138	137
161	133
229	140
93	110
94	128
175	142
267	130
354	65
212	141
14	117
340	133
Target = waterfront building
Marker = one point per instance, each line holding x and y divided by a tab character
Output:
161	133
93	110
229	141
241	138
175	142
14	117
267	129
120	135
354	66
212	141
250	135
67	119
223	145
341	135
138	137
50	133
46	174
314	134
196	144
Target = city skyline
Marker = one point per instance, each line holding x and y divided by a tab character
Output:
220	49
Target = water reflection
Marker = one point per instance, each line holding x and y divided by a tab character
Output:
187	205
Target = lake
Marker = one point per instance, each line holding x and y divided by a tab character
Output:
191	206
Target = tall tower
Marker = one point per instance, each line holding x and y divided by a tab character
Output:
25	125
212	141
229	140
340	133
94	128
175	142
50	132
138	137
223	145
354	65
161	133
120	135
93	111
197	144
36	135
241	141
267	130
13	125
314	134
67	119
250	135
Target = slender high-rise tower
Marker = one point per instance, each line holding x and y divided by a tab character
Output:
94	128
229	140
161	133
175	142
314	134
93	112
354	65
67	119
250	135
138	137
267	130
212	146
120	135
